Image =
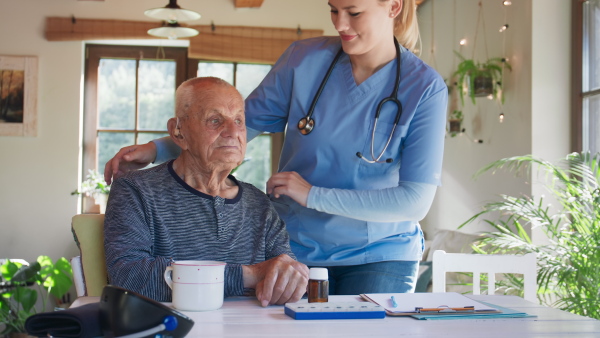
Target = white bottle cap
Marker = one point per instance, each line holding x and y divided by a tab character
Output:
318	274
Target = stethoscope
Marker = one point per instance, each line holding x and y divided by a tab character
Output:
307	123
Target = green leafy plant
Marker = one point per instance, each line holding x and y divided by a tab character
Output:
454	122
20	287
480	79
569	264
93	186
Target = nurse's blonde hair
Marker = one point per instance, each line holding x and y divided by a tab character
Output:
406	27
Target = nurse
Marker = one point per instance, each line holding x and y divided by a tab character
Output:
351	186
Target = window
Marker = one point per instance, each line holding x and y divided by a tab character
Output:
586	75
130	95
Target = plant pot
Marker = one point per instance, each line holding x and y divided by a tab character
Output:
101	200
454	126
483	86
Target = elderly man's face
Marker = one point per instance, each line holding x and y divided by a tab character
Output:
216	133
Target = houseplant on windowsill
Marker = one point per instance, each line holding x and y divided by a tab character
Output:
477	79
21	286
569	264
95	186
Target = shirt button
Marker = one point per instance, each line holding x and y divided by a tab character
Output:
220	214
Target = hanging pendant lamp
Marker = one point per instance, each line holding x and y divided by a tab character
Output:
172	30
172	12
171	15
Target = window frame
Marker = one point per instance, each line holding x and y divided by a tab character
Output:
93	54
578	95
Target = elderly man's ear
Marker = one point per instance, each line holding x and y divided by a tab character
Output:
174	127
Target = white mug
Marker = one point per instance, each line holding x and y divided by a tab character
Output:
196	285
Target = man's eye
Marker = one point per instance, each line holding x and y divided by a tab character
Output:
214	121
238	122
333	11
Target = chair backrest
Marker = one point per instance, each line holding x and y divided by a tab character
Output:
88	231
491	264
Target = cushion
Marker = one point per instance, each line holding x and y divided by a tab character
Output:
88	231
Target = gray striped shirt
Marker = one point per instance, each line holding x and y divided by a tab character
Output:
153	216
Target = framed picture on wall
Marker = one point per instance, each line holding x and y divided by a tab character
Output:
18	95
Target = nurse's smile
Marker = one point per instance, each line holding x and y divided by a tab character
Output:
347	37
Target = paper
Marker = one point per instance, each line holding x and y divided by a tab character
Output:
407	302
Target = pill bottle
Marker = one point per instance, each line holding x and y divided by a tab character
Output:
318	285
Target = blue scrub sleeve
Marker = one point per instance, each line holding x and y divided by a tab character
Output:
167	150
409	201
252	133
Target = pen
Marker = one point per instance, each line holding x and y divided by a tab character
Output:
394	304
446	309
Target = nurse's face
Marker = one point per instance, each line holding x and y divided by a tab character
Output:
364	25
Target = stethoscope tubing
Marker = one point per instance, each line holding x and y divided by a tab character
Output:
307	123
325	79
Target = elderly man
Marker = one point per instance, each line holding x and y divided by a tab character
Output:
192	209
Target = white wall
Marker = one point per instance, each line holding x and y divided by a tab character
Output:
37	174
537	97
551	81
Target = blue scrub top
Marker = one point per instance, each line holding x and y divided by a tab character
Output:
344	118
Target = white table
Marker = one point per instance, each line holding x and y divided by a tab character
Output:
243	317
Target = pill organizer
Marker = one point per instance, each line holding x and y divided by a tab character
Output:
353	310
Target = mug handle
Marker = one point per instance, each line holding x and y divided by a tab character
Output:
167	275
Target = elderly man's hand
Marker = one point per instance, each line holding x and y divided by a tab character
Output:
278	280
129	158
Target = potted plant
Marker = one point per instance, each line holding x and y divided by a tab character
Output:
568	273
480	79
21	286
95	186
454	123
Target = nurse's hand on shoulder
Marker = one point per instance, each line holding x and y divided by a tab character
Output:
291	184
278	280
129	158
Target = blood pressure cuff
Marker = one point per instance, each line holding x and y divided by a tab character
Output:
82	321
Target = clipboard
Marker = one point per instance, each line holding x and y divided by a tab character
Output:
436	303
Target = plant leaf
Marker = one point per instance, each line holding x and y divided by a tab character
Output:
569	264
57	278
26	297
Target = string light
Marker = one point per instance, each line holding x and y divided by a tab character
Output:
474	140
462	42
503	28
501	117
507	2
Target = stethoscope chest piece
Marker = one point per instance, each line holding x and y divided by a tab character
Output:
306	125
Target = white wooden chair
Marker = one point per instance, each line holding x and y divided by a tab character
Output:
491	264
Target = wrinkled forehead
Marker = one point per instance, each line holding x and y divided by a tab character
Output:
225	100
